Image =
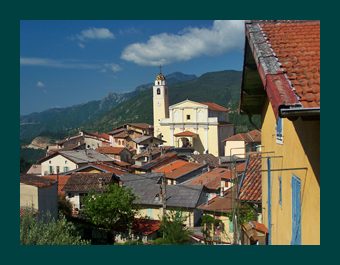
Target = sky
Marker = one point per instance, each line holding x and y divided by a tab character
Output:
63	63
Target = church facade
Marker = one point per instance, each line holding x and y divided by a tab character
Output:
199	125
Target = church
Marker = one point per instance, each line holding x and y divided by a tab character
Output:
198	125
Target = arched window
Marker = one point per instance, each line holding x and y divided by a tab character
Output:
158	91
158	83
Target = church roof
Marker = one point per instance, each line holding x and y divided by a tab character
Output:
215	107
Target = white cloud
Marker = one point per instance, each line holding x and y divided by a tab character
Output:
40	84
161	49
69	64
95	34
81	45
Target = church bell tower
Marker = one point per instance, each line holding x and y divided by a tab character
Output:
160	102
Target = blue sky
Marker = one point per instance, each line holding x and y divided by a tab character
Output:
63	63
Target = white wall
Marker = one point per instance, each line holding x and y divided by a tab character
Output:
58	160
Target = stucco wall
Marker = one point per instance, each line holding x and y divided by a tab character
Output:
43	199
300	149
230	148
156	214
57	161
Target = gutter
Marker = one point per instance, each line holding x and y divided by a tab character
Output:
291	112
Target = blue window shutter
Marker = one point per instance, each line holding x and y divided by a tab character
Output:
279	131
296	211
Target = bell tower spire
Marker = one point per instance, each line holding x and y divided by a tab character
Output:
160	102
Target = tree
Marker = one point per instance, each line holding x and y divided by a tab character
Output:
47	231
112	210
173	229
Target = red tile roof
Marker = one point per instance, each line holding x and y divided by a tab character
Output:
251	186
212	179
123	134
215	107
110	150
141	125
253	136
293	76
177	168
218	204
185	134
297	46
145	226
36	181
62	180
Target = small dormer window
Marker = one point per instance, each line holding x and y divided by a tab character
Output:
158	91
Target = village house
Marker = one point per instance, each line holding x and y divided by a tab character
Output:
240	144
99	168
123	136
63	161
179	171
215	181
116	153
188	124
39	194
141	167
84	140
81	184
61	181
281	82
182	198
147	142
209	159
220	208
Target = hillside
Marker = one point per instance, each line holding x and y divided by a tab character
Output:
221	87
59	122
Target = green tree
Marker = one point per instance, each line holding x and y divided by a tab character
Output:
112	210
47	231
173	229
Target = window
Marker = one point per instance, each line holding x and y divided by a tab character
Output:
158	91
65	169
51	169
188	117
280	191
65	161
279	131
58	169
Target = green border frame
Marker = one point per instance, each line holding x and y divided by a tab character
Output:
14	11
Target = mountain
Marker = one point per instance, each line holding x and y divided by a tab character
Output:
222	87
59	122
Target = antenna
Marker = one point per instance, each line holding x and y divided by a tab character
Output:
160	69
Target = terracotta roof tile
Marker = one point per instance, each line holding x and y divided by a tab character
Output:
212	179
177	168
215	107
145	226
218	204
110	150
297	47
253	136
36	181
251	185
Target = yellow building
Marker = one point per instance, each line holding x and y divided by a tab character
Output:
201	126
281	81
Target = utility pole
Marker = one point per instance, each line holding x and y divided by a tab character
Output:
163	194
